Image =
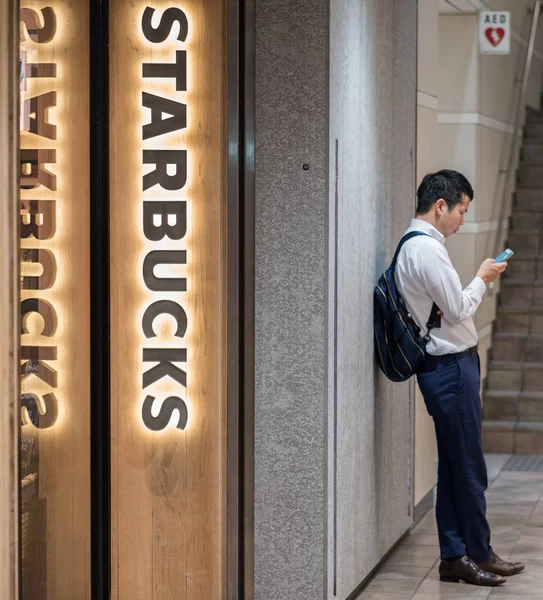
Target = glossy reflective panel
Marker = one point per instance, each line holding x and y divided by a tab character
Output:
55	296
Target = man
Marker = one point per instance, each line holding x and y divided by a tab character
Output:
450	377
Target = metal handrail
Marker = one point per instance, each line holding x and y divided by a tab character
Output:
518	116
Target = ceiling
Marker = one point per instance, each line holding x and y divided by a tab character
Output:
453	6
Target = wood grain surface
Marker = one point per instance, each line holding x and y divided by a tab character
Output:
55	123
168	486
9	301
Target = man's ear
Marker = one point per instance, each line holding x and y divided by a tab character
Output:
441	206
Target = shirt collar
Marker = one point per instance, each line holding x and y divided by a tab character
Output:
420	225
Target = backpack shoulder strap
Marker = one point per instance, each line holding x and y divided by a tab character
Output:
405	238
434	320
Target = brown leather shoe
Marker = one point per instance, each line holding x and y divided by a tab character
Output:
501	567
465	569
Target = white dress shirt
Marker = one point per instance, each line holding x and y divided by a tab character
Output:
424	275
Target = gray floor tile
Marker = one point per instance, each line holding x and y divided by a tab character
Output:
416	551
433	575
495	463
515	514
393	586
504	550
514	589
526	550
534	544
511	596
536	520
410	560
504	539
535	532
520	476
396	572
534	562
532	575
421	539
426	529
463	596
453	590
378	596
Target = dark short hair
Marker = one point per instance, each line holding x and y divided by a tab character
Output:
451	186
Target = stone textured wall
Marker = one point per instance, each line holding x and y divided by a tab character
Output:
291	243
373	118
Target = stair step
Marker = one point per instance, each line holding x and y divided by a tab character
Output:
534	130
517	347
523	256
533	115
527	268
532	152
510	365
521	320
513	437
515	309
528	200
520	292
515	396
501	405
527	221
513	405
525	242
499	436
518	322
527	171
515	375
533	183
508	346
516	281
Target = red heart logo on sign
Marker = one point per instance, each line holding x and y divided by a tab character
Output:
494	35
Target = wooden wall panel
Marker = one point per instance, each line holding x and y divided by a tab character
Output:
9	300
55	343
168	484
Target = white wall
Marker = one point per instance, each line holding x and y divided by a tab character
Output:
475	128
427	106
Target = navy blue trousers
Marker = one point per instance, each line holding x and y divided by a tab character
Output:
450	387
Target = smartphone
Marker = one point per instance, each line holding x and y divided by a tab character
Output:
505	255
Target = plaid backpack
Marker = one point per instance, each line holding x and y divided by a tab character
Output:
399	348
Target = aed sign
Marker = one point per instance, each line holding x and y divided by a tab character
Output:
495	32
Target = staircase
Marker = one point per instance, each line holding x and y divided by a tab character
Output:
513	398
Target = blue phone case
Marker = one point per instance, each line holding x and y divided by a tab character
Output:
505	255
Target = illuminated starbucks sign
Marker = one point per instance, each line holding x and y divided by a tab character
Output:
164	214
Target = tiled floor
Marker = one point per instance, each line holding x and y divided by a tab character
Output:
515	514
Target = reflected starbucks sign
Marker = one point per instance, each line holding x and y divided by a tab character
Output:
39	349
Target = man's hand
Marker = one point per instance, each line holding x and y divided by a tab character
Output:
490	270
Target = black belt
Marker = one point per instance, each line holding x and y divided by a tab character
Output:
431	362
